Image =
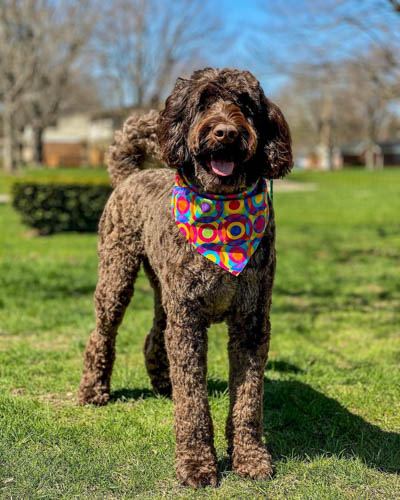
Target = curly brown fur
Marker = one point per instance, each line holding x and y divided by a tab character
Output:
133	146
191	292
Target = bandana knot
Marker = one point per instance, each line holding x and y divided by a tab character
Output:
225	229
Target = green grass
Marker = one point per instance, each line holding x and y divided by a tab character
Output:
332	392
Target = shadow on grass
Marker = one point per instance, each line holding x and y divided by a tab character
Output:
132	394
304	423
215	387
56	281
283	366
314	305
301	422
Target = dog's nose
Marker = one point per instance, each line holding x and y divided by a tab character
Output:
225	133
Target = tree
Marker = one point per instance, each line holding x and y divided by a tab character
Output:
58	79
143	44
370	89
338	104
395	4
67	92
19	41
348	53
310	105
41	41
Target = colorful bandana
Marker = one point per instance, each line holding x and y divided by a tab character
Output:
223	228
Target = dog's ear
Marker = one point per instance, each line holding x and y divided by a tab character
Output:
173	126
275	150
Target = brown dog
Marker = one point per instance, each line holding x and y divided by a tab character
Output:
223	134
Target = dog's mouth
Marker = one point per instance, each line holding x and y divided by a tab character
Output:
221	163
222	168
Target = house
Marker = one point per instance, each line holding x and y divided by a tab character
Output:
319	159
385	153
77	139
391	153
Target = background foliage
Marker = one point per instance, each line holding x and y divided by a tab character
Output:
54	205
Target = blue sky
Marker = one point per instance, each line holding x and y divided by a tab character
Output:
263	34
241	17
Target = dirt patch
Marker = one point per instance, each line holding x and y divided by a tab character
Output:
55	343
58	399
284	186
18	391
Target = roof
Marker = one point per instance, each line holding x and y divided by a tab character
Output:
353	148
358	148
392	148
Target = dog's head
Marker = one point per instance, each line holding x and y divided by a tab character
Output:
219	127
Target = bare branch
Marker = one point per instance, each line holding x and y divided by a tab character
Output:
395	4
144	44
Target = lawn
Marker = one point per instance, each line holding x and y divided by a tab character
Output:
332	383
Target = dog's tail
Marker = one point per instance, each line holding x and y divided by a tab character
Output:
135	147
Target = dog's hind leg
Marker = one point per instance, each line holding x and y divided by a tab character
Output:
154	349
119	262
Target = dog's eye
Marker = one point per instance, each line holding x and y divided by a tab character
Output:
246	103
206	97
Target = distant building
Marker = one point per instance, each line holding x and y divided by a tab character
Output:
78	139
319	159
391	153
385	153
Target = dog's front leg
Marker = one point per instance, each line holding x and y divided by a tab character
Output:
196	463
248	350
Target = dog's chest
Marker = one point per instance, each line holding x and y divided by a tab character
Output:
190	279
219	294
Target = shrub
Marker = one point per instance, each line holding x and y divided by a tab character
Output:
53	205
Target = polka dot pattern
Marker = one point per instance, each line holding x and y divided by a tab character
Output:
225	229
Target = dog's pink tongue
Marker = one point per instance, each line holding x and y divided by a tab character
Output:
223	168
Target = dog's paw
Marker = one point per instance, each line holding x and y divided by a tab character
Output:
163	389
254	463
196	472
91	396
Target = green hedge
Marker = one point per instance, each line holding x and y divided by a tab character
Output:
53	205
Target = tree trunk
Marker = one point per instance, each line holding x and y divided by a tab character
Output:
325	134
19	149
38	145
369	157
324	156
9	163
